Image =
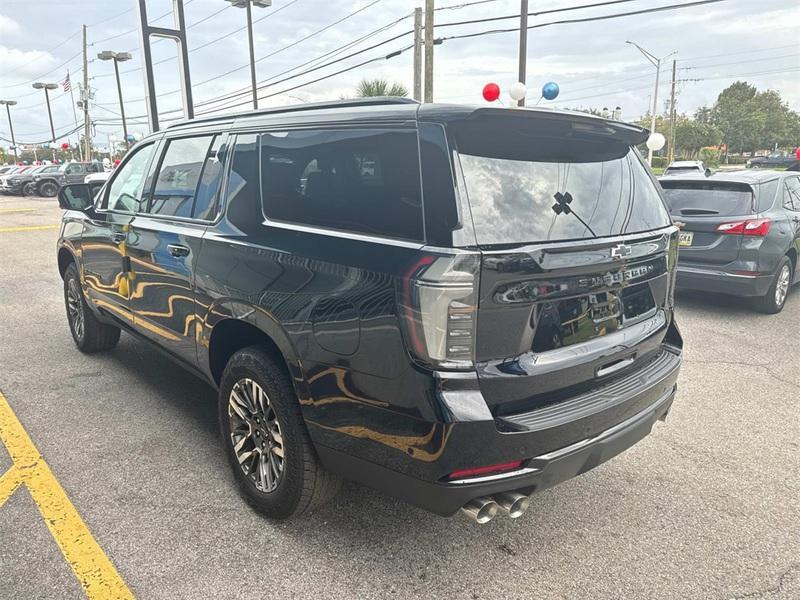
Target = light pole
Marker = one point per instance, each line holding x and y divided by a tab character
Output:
9	104
656	62
47	87
118	57
245	4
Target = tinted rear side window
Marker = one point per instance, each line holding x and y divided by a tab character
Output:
364	181
706	198
243	206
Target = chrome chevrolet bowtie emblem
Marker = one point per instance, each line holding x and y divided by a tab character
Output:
621	251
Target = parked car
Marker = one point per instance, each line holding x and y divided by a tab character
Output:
741	234
72	172
776	159
23	183
685	167
15	170
511	331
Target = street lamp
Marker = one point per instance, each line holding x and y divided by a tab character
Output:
656	62
47	87
9	104
118	57
246	5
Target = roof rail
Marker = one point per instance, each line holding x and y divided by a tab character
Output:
353	103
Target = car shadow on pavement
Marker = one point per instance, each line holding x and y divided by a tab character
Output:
708	300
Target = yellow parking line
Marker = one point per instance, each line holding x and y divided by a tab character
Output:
5	211
27	228
91	566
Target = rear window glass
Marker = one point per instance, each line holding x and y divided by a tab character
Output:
680	169
708	198
515	199
365	181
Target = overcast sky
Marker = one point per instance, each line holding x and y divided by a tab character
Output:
716	44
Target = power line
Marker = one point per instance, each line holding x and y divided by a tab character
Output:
581	20
534	14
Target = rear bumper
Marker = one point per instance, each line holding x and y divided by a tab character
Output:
556	443
722	282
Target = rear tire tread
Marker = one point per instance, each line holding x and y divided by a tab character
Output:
318	484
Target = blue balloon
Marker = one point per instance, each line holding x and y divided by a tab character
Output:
132	139
550	90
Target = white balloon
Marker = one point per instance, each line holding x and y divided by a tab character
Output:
517	91
656	142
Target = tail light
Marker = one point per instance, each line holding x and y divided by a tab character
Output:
438	305
754	227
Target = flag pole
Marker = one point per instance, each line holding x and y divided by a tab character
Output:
74	112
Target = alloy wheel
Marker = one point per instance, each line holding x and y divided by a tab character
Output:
256	435
75	308
782	287
48	190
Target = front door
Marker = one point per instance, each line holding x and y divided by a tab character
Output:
104	261
163	242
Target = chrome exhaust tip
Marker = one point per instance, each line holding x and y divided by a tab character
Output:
480	510
514	503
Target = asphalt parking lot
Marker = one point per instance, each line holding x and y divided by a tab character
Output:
708	506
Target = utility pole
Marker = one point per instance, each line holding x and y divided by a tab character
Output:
523	44
672	116
418	54
9	104
87	125
428	50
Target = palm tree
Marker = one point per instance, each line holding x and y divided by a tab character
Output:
380	87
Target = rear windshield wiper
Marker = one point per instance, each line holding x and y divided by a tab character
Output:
699	211
562	205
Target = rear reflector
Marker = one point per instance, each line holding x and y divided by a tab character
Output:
501	468
753	227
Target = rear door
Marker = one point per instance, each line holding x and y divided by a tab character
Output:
164	240
577	247
703	206
791	203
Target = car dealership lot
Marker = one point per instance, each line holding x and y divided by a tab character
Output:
705	507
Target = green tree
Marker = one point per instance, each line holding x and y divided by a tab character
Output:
753	120
369	88
691	135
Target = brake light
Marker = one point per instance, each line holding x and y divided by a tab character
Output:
474	472
754	227
439	307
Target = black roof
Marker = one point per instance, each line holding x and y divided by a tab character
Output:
394	108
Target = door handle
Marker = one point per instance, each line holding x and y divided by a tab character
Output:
615	366
178	251
118	237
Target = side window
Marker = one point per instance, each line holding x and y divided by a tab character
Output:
124	191
204	202
75	169
365	181
791	194
179	181
243	206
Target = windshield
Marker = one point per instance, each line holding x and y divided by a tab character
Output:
526	201
706	198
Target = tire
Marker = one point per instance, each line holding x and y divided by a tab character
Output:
29	189
279	487
774	300
48	189
89	333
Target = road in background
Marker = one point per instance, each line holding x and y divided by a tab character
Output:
705	507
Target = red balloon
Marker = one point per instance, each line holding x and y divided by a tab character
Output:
64	146
491	92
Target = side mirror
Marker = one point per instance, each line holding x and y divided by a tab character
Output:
78	196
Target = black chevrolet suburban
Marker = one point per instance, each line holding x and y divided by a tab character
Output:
459	306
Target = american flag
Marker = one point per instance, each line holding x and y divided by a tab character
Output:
66	84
